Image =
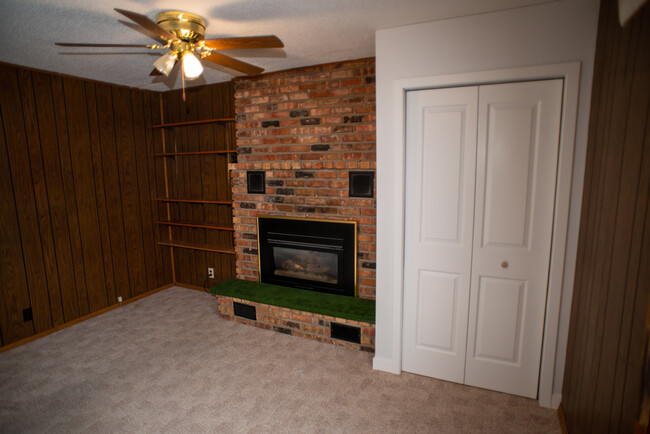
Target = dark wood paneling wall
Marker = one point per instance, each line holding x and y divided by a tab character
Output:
77	179
198	177
603	374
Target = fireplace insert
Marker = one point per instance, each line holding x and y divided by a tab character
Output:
317	255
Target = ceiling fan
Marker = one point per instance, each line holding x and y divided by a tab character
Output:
183	34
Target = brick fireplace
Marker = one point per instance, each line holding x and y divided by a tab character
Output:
307	129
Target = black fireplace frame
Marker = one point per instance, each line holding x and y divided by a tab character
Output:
331	236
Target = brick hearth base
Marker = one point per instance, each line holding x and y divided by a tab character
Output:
298	323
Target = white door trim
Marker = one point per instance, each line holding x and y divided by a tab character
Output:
392	214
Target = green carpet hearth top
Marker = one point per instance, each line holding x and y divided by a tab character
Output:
339	306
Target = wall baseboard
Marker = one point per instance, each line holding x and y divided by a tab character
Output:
384	364
188	286
83	318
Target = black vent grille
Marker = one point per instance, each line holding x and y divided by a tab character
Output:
345	332
245	311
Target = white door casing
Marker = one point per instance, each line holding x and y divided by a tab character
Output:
495	241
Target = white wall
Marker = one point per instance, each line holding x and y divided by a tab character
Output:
551	33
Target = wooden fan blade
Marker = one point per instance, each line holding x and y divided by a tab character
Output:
147	24
75	44
269	41
237	65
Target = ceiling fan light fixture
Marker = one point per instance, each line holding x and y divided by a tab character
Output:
192	67
183	33
185	25
166	62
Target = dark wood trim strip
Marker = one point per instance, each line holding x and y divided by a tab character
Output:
217	202
164	150
204	121
562	419
173	154
220	227
194	287
196	246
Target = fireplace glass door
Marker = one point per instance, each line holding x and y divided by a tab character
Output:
308	254
306	264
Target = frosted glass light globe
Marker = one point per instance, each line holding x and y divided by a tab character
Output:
192	67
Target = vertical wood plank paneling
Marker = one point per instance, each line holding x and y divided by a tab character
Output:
204	176
14	296
16	142
195	178
110	173
100	188
56	195
173	106
624	259
178	143
589	222
79	175
600	277
158	189
142	125
209	166
226	136
70	298
630	362
604	353
580	297
184	177
84	181
156	178
128	183
148	191
53	310
67	196
634	361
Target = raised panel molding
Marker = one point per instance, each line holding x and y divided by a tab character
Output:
436	329
442	172
500	316
509	126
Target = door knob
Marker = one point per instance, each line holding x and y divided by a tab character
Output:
504	264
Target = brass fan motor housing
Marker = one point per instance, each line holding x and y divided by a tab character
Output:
185	25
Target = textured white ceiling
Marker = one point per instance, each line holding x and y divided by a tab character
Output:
313	31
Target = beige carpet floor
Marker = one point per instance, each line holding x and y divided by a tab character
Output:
168	363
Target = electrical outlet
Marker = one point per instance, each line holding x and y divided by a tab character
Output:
210	273
119	299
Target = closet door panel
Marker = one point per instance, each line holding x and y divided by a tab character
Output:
441	158
518	138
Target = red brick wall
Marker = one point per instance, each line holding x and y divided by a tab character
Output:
307	128
298	323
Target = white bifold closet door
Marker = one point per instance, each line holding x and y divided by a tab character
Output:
481	166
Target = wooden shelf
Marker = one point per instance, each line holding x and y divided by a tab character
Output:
196	225
204	121
196	246
173	154
213	202
217	151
